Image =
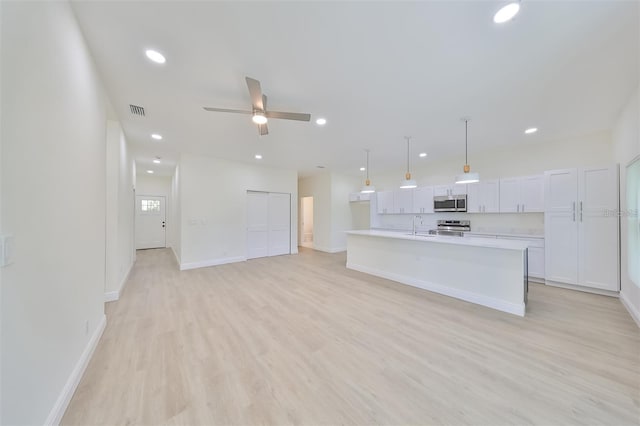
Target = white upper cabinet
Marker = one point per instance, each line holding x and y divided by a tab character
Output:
385	202
483	197
395	202
532	194
581	227
522	194
449	190
423	200
403	201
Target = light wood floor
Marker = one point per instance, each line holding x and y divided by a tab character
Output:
302	340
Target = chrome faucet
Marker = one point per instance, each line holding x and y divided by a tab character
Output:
414	224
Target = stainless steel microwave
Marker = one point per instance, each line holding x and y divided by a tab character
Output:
450	203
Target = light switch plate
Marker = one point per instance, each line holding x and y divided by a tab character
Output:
6	250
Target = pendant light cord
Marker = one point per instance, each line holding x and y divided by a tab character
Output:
408	139
367	164
466	143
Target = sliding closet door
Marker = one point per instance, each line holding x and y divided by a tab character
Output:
268	224
279	224
257	224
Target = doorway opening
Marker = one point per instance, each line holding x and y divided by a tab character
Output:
306	207
151	222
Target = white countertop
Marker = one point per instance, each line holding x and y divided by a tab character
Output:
440	239
506	234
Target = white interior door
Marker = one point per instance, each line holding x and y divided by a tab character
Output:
561	226
257	224
150	222
598	228
279	239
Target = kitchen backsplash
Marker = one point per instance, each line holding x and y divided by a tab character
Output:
502	223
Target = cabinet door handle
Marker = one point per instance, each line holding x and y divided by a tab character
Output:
518	208
523	208
580	211
574	211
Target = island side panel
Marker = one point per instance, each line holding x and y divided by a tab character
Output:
488	276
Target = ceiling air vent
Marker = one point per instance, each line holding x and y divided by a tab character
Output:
137	110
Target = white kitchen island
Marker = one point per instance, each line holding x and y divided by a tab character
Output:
488	272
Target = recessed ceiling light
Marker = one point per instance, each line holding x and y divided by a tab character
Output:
156	136
157	161
506	13
150	172
531	130
155	56
423	154
258	157
362	169
321	121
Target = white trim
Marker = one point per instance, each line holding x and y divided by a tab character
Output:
330	250
112	296
601	292
635	314
211	262
490	302
56	413
176	255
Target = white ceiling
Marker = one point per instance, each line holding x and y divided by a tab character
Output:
376	70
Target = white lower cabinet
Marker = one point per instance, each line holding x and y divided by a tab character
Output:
535	256
582	227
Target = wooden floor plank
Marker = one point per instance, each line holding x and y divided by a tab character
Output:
302	340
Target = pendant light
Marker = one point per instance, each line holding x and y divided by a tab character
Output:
467	176
407	182
367	188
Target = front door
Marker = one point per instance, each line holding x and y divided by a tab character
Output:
150	222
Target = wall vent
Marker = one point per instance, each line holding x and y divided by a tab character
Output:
137	110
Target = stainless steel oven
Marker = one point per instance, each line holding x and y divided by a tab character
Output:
450	203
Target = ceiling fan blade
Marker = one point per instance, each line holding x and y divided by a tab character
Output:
264	101
256	93
288	115
239	111
263	129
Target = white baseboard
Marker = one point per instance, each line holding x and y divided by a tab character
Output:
633	311
490	302
581	288
112	296
330	249
56	413
211	262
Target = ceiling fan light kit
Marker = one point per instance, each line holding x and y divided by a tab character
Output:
368	188
467	176
408	183
259	112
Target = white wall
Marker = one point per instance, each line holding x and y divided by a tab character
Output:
53	203
626	146
159	186
516	160
120	243
213	201
176	209
341	209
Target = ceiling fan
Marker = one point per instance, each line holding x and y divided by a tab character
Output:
259	108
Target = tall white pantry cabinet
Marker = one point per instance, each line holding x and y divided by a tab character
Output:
582	227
